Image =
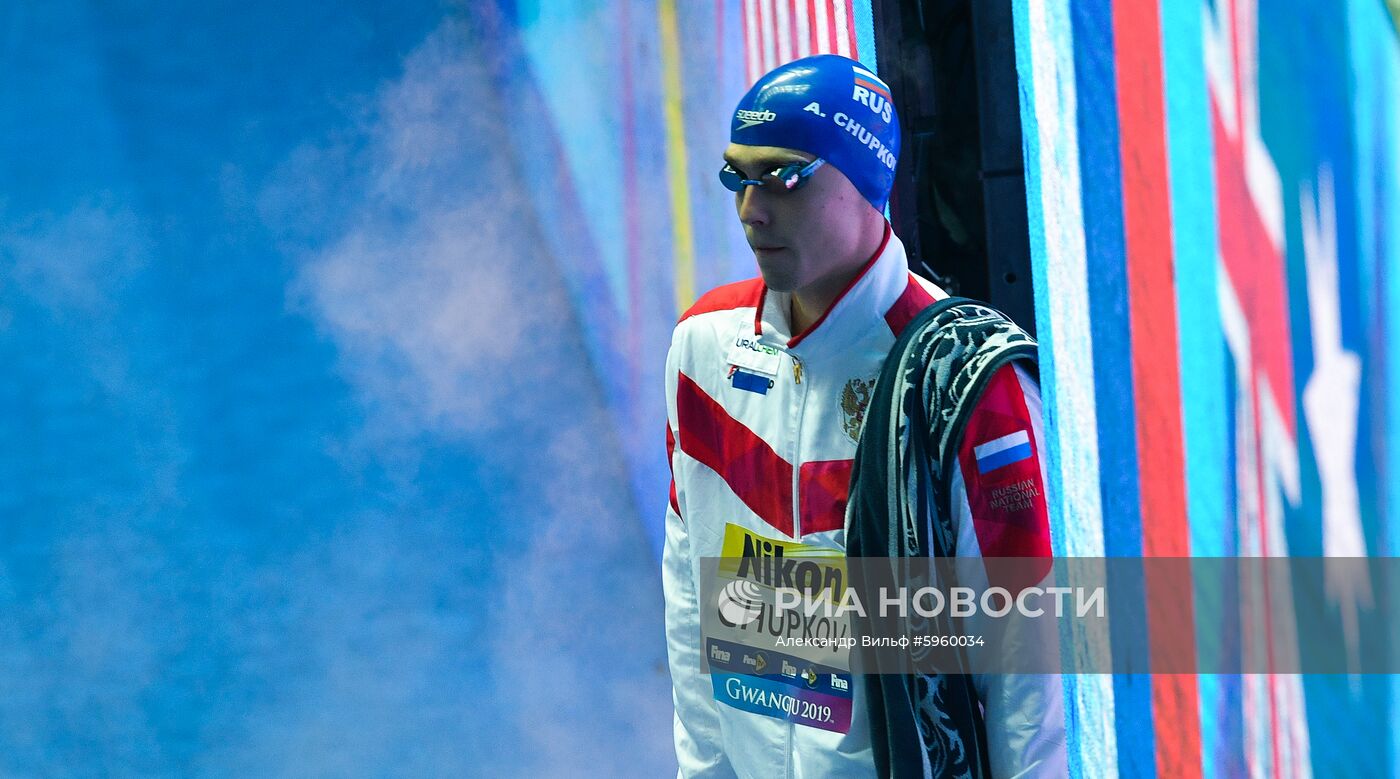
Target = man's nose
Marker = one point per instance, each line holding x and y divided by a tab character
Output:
752	208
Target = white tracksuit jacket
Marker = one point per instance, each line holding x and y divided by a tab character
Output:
762	429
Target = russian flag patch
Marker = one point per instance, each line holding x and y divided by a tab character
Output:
1000	452
750	381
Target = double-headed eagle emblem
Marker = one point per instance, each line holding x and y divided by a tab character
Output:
854	399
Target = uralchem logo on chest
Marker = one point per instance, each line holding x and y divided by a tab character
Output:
1000	452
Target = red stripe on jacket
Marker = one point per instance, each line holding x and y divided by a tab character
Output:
757	474
825	486
913	300
670	464
740	294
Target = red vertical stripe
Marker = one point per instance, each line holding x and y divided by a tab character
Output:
670	463
838	15
813	43
795	50
1147	229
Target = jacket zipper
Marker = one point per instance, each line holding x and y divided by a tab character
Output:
796	510
796	449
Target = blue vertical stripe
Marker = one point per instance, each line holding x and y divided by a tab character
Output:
865	33
1375	59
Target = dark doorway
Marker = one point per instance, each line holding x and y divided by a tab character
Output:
959	200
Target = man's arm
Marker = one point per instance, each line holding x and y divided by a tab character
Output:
699	750
1000	510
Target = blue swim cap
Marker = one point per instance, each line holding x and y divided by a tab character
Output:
829	106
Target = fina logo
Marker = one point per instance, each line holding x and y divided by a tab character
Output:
751	118
739	603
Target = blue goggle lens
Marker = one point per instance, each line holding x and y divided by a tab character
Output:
786	178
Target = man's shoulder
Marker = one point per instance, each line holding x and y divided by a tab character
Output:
727	297
919	293
712	321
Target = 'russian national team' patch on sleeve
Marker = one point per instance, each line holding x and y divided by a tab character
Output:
1000	462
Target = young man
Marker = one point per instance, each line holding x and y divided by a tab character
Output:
767	383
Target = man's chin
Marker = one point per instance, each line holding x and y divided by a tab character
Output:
777	279
783	284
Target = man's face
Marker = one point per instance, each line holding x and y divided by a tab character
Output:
802	237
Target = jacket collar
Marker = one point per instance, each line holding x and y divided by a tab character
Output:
859	307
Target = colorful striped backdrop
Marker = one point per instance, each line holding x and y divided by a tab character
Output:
332	337
1215	237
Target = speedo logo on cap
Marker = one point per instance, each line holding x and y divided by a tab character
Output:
871	92
752	118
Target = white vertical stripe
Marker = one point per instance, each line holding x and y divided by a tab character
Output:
770	54
1070	390
784	25
804	28
751	51
1045	66
843	29
823	27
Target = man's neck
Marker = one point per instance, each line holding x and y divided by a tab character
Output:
809	304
